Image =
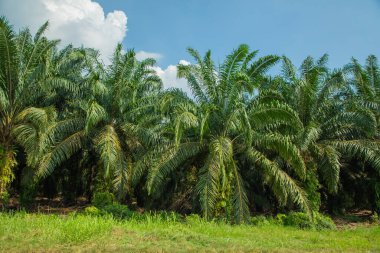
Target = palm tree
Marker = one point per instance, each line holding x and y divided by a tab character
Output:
364	93
332	129
24	81
365	84
113	118
217	129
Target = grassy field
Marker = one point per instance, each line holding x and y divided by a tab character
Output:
77	233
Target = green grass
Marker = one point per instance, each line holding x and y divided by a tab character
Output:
78	233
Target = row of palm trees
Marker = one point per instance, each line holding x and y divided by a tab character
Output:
241	137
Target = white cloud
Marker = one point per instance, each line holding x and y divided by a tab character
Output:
142	55
80	22
184	62
169	77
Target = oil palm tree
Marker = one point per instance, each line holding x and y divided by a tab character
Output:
332	128
112	118
364	84
24	81
216	129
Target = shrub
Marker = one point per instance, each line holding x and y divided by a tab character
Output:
118	211
267	220
305	221
299	220
102	199
322	222
259	220
280	218
92	210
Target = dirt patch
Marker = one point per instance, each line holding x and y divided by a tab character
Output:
354	219
50	206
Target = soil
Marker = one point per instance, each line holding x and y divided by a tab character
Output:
353	219
50	206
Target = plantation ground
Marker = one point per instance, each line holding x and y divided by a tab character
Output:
69	233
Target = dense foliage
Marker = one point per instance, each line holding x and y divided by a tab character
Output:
242	142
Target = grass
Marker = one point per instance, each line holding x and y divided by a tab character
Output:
22	232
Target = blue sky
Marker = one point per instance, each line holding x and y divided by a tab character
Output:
164	29
297	28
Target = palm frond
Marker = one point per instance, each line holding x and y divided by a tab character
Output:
281	183
239	197
285	148
60	153
207	185
110	150
168	161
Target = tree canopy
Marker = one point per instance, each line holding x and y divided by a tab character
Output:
243	141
